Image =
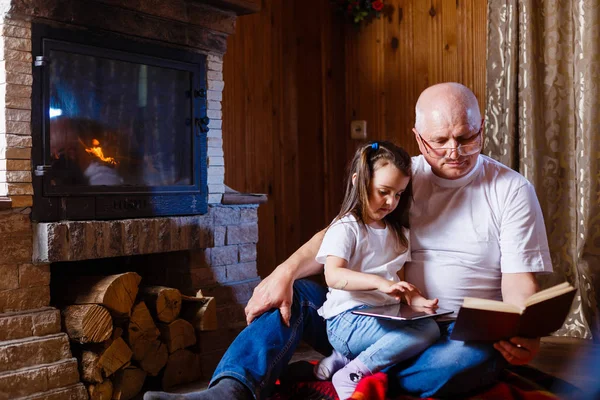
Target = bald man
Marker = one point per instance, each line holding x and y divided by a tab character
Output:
476	230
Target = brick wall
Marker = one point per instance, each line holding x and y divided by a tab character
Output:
23	285
216	160
15	111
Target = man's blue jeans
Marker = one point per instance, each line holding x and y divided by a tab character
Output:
261	352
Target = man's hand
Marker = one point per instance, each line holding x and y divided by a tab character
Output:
518	351
275	291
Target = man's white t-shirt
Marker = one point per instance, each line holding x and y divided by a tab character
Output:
366	249
466	233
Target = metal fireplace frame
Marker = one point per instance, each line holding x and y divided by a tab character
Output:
115	202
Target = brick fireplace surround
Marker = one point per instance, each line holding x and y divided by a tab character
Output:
215	252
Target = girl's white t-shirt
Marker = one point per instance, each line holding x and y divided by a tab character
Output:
366	249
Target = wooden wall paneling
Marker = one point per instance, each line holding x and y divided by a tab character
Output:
286	196
258	58
409	96
421	48
479	35
392	78
450	29
365	78
376	72
337	149
247	121
310	116
465	42
398	73
436	42
351	52
233	104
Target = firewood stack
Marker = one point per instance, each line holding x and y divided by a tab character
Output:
123	333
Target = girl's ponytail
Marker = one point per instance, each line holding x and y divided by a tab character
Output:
367	158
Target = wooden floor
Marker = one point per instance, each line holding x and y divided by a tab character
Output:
575	361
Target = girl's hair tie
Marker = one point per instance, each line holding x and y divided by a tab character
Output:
375	146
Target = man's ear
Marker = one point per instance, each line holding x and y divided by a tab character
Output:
353	179
419	143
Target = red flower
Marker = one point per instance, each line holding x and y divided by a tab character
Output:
377	5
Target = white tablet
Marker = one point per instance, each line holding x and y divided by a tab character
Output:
402	312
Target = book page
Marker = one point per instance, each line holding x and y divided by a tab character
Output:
549	293
494	305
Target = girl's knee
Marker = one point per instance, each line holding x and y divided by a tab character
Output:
431	330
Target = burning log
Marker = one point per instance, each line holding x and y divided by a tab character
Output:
163	302
87	323
177	335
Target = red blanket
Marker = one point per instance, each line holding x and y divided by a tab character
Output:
524	385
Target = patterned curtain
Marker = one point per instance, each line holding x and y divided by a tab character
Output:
543	120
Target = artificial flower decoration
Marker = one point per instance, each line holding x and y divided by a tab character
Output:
359	10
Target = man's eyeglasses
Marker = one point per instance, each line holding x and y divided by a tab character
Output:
467	148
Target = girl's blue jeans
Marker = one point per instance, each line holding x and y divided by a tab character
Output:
380	343
262	350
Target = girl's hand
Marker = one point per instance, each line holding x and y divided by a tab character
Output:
421	301
398	290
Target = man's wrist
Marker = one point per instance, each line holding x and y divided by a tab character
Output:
288	271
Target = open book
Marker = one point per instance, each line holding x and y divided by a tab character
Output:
491	320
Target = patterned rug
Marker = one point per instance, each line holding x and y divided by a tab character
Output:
518	383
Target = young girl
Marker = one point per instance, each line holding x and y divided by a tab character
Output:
363	250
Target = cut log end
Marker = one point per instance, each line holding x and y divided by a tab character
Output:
87	323
141	331
115	292
183	366
128	383
163	302
201	314
101	391
155	358
177	335
115	356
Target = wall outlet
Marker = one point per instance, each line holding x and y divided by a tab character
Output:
358	129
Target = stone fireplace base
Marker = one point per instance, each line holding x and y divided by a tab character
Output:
215	253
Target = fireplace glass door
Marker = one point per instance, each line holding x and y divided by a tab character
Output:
122	128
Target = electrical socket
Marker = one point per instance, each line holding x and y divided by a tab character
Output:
358	129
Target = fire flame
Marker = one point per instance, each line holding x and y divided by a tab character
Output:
96	150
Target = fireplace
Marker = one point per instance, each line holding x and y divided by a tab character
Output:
119	128
111	160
